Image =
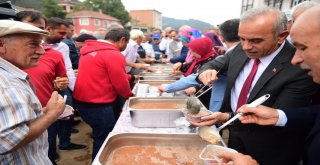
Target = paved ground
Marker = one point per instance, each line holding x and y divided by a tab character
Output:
82	156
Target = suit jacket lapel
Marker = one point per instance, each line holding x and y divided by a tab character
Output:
235	66
273	69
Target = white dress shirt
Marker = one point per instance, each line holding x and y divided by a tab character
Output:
149	49
130	53
164	43
264	62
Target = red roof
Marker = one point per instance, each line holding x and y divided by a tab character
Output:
91	14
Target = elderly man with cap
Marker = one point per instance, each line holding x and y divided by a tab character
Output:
23	121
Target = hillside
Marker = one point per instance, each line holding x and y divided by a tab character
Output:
34	4
176	23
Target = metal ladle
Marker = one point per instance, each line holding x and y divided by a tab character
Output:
193	106
206	133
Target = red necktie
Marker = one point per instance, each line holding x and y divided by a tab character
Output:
247	84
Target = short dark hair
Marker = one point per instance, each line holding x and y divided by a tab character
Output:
116	34
229	30
33	15
70	23
56	22
83	37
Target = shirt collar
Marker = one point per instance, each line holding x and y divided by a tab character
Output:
12	69
106	41
231	48
267	59
134	43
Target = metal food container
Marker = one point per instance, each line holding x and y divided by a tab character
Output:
157	76
157	117
157	64
156	83
153	89
161	67
163	71
191	143
210	153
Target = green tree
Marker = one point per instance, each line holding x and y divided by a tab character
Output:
113	8
34	4
52	9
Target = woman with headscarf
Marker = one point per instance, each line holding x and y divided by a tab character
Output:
202	50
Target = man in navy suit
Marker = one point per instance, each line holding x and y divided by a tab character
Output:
305	35
263	48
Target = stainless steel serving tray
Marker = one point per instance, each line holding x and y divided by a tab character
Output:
143	139
157	64
154	74
156	117
161	67
157	76
156	83
160	71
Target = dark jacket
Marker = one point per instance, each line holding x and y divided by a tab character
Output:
306	121
289	86
182	57
74	56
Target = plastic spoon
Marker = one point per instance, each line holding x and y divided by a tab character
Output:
208	133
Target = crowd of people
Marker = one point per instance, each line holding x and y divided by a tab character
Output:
44	66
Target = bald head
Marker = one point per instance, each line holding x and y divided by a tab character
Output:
302	7
168	29
308	20
305	34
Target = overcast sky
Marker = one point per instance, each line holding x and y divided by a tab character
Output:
211	11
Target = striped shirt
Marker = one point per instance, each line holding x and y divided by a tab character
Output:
18	106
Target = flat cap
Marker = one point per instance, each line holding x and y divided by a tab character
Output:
14	27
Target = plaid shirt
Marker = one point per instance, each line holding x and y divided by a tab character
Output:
18	106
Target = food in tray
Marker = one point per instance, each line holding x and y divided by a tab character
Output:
151	154
156	105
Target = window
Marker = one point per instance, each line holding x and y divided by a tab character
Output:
84	21
274	3
246	5
96	22
295	2
105	22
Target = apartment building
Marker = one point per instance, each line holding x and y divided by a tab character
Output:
91	21
150	18
283	5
